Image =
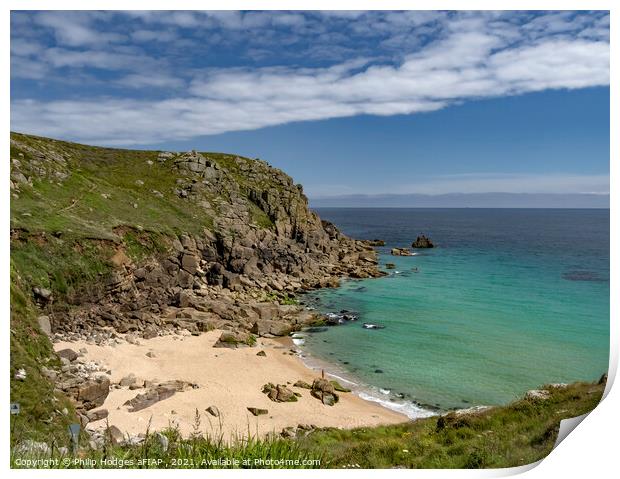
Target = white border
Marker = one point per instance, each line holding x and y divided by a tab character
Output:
590	452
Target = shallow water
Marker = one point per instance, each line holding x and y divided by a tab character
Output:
508	301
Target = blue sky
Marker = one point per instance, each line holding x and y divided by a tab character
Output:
345	102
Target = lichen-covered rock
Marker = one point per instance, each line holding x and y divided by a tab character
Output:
324	390
279	393
93	393
234	339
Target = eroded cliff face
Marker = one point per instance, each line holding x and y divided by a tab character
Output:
234	240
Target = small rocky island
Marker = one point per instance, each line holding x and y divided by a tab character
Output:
422	241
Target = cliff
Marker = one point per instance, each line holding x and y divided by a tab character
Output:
107	241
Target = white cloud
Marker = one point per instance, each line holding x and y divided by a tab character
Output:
153	80
153	36
476	56
74	29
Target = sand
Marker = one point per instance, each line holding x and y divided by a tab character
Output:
230	379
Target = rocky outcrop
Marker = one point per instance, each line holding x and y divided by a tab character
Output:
422	242
375	242
156	393
537	395
230	278
93	393
324	390
234	339
400	252
279	393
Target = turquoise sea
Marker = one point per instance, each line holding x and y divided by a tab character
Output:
508	300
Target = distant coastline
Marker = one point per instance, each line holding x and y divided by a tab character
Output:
465	200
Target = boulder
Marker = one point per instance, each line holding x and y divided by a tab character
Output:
279	393
43	295
190	263
324	390
128	380
44	325
276	328
257	411
97	415
400	252
150	332
153	395
93	393
302	384
214	411
114	435
68	354
537	395
233	340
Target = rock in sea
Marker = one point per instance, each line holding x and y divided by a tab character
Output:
422	241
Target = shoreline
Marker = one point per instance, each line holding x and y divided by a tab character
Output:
366	392
229	379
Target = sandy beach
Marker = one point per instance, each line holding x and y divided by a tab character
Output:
229	379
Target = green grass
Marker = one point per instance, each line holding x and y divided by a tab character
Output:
520	433
100	193
196	452
44	414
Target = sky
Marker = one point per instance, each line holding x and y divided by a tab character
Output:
348	103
